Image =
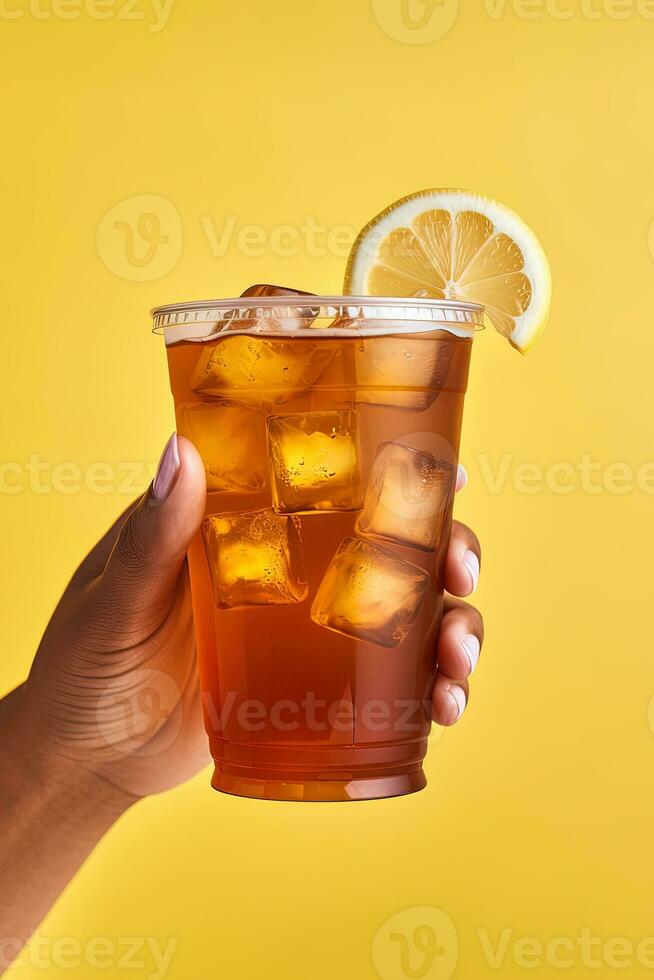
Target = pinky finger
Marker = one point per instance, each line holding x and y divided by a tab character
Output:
449	699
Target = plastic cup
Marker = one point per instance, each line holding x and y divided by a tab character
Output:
329	428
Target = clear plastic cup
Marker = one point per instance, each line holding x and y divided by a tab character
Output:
329	428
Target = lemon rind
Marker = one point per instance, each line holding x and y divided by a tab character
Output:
529	325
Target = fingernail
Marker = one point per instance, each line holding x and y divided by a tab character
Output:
457	700
167	470
461	477
471	562
471	647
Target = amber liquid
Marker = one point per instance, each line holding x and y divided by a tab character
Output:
294	710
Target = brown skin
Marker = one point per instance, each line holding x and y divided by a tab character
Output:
70	765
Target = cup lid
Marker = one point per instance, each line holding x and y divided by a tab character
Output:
307	315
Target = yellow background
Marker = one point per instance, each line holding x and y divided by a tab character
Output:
537	818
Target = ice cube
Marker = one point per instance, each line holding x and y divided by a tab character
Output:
231	440
259	370
370	594
402	372
267	289
314	462
292	317
255	558
263	369
407	497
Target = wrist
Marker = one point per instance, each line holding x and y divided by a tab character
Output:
53	814
31	764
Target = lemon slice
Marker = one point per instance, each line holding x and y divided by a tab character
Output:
450	244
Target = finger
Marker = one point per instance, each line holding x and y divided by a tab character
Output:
463	561
460	639
94	563
139	580
461	478
449	699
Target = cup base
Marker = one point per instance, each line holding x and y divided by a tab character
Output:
320	790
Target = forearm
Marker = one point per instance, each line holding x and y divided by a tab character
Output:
52	814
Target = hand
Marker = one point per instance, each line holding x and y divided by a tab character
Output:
462	628
111	709
114	686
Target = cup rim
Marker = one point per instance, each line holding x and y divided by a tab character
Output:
309	299
280	314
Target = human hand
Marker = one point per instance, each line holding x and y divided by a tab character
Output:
114	687
111	709
462	628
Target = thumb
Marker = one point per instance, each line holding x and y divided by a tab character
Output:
139	581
